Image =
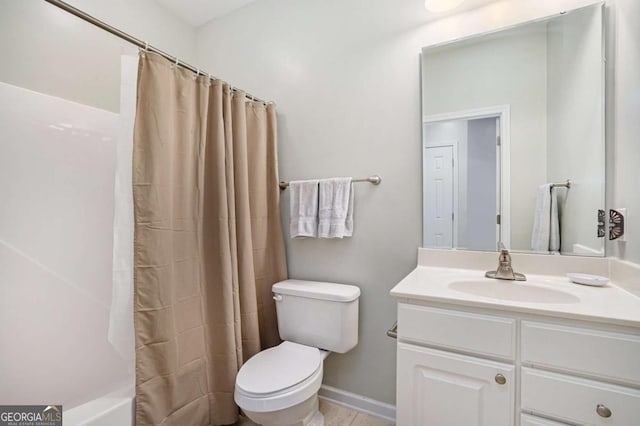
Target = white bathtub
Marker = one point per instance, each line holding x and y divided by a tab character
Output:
113	409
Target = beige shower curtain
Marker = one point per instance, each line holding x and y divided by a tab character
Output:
208	242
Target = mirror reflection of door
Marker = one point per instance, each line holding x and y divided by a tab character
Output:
544	79
461	181
438	183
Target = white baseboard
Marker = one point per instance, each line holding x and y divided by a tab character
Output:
358	403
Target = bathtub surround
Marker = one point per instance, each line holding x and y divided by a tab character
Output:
120	333
57	163
208	242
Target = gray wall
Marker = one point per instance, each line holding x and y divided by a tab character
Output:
345	76
50	51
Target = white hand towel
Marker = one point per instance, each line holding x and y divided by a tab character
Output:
546	226
335	208
303	208
554	227
348	224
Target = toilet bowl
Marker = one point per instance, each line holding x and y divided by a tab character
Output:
279	386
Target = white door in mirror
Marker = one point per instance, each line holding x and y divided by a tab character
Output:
587	279
439	197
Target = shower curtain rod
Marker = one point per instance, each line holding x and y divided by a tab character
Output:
131	39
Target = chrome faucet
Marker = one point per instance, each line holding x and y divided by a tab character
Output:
505	271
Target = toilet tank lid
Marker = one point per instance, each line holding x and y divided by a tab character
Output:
318	290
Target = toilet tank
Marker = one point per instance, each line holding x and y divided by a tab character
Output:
318	314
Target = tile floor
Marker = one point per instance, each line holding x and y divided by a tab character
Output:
337	415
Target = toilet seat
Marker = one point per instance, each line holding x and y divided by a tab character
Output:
279	377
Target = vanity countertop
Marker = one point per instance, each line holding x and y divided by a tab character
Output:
541	294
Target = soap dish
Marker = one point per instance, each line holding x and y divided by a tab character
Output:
587	279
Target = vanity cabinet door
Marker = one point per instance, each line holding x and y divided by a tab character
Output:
437	388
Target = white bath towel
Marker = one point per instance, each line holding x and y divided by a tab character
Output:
546	225
335	208
303	207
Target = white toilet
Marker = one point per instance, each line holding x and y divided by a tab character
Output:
279	386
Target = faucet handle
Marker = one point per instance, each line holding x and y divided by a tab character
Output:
501	246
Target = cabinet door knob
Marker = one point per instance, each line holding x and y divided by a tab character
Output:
603	411
500	379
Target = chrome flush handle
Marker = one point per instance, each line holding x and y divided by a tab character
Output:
603	411
393	331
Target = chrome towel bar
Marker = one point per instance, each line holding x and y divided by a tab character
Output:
566	184
375	179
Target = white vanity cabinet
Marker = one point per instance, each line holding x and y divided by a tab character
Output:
444	388
454	368
480	367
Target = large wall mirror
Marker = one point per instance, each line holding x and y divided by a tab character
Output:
513	138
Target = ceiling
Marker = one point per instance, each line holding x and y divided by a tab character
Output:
197	12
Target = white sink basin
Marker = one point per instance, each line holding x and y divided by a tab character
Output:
527	292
